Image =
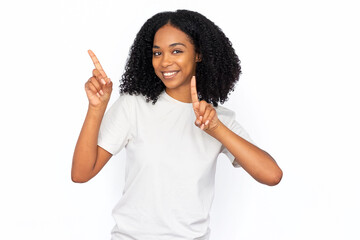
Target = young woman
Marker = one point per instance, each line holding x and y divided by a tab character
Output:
181	65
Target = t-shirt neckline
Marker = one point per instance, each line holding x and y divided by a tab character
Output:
167	96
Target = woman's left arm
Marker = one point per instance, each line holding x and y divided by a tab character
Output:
258	163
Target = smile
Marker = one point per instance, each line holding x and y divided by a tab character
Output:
168	75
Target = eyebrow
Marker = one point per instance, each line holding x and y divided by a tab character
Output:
171	45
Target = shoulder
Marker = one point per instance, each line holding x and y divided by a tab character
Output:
127	100
228	118
122	105
130	104
225	114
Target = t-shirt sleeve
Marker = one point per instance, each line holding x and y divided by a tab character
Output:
115	129
234	126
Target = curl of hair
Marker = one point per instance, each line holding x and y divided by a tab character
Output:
216	74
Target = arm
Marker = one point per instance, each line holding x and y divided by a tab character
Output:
258	163
88	157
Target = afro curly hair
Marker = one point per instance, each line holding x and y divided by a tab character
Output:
216	74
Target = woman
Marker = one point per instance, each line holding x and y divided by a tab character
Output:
184	64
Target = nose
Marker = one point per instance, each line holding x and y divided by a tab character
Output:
166	61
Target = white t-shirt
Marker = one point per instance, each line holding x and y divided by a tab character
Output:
170	167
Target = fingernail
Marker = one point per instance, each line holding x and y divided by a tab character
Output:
207	122
197	122
200	118
202	127
97	94
103	81
101	92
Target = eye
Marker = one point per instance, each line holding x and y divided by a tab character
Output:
156	53
177	51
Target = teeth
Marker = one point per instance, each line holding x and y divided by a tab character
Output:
169	74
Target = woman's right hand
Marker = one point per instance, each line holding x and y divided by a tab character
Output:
99	87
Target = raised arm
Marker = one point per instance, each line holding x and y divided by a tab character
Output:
89	158
258	163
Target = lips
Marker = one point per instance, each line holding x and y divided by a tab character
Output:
169	74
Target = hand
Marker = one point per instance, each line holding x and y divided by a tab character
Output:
99	87
206	117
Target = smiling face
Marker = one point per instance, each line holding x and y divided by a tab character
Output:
174	61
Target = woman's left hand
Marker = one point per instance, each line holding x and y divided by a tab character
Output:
206	116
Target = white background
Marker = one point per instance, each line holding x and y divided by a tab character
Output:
297	97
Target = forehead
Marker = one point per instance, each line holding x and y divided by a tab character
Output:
168	34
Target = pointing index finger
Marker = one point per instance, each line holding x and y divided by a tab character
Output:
97	63
194	95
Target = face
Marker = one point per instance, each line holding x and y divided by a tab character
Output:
174	59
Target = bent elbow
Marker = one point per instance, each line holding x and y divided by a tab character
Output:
78	179
276	178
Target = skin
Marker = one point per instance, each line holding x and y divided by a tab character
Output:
258	163
88	157
173	51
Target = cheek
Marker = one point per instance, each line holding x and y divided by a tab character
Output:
187	62
155	65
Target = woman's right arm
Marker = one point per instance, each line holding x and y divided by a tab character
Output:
88	157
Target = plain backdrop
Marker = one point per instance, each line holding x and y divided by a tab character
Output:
298	98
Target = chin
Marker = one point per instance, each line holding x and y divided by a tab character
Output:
171	86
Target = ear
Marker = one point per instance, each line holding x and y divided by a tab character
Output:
198	57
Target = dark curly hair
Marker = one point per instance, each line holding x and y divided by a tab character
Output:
216	74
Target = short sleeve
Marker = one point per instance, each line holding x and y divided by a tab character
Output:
115	128
234	126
